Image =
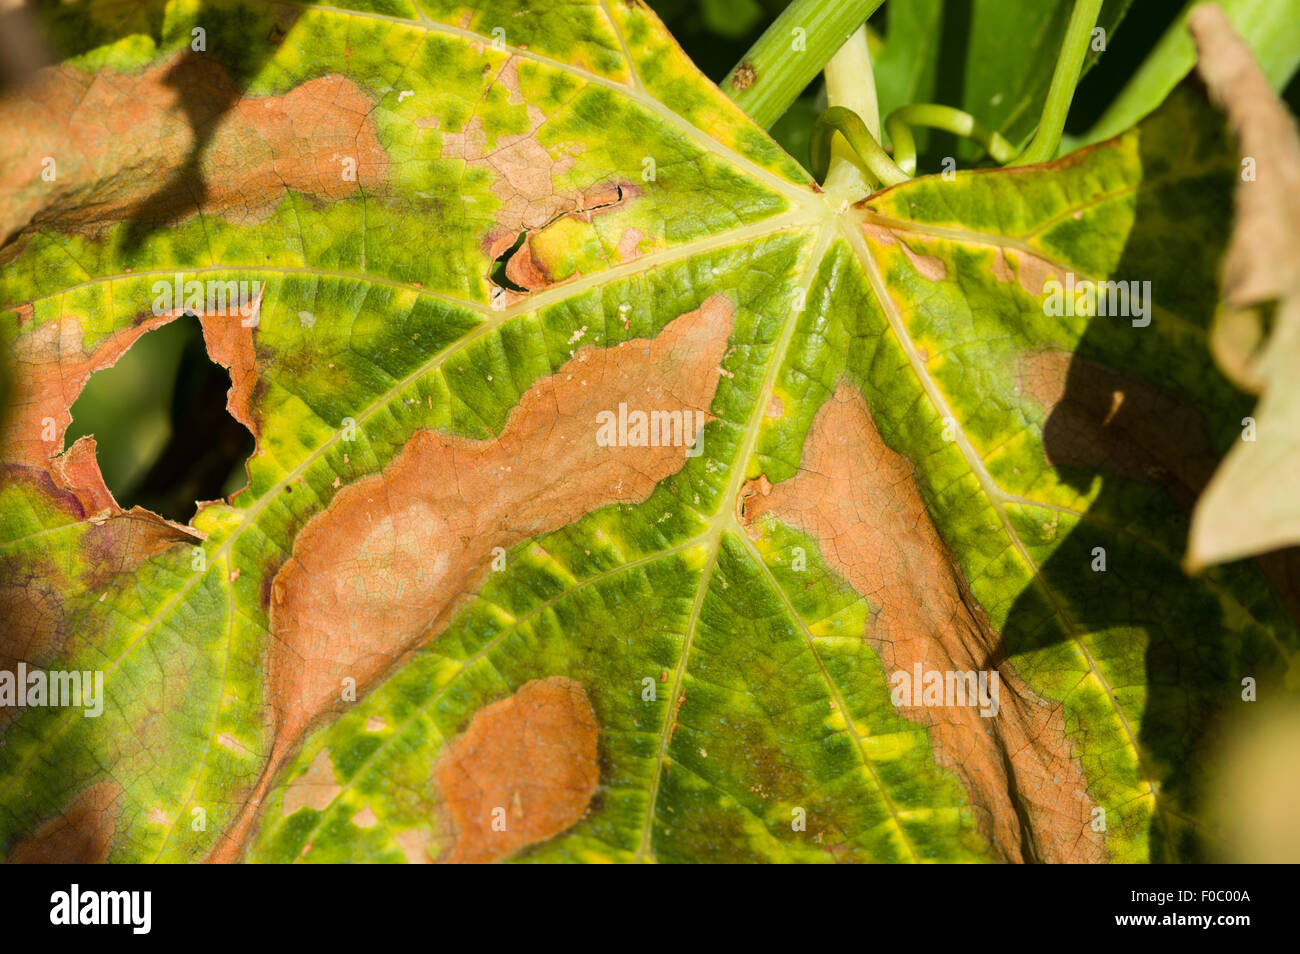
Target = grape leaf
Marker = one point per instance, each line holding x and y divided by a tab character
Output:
613	482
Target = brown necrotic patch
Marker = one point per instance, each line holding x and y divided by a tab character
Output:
744	77
927	266
51	365
524	173
81	835
35	624
519	270
1032	271
395	555
316	788
524	771
1001	270
859	500
184	121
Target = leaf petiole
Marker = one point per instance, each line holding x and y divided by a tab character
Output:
790	54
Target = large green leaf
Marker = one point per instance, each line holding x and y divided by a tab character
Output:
445	621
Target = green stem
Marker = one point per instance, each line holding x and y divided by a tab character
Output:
1069	66
963	124
775	71
850	82
850	125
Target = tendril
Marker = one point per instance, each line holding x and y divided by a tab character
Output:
850	125
898	125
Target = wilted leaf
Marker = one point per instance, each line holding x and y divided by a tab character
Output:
449	620
1250	506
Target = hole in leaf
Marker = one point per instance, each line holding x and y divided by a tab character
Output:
502	260
498	273
164	437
